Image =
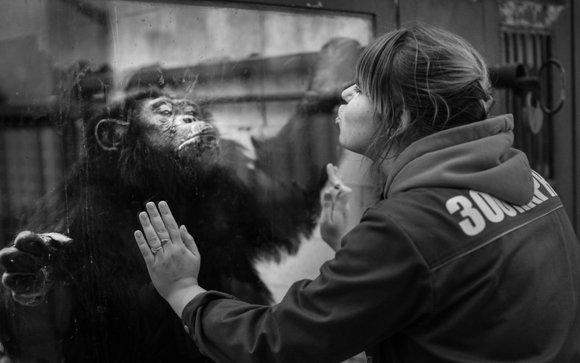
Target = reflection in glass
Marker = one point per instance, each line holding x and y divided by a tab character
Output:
270	78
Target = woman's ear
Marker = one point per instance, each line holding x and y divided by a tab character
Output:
405	120
110	133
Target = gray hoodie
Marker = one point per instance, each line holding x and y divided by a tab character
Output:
469	258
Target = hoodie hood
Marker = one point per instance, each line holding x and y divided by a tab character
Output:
477	156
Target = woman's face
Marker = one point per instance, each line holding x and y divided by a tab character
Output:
355	120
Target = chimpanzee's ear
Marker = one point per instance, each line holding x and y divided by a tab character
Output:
110	133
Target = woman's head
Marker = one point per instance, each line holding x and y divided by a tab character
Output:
418	81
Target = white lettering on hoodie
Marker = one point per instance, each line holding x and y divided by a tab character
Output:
478	209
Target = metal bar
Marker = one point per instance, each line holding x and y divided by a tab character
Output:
575	92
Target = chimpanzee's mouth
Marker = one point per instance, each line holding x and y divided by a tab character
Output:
204	138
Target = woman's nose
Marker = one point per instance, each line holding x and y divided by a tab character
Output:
348	93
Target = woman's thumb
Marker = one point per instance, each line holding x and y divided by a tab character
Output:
188	240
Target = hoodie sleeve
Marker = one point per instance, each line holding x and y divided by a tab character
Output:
375	286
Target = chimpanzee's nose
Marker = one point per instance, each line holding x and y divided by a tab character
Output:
188	119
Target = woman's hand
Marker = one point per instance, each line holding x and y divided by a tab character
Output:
171	256
335	207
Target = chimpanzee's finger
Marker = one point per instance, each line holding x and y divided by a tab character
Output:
149	231
157	222
23	282
170	224
144	247
32	243
15	260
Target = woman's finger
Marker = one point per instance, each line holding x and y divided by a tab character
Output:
335	180
327	207
149	231
337	190
332	173
157	222
144	248
169	221
343	194
327	197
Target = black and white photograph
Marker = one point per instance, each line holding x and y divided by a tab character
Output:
268	181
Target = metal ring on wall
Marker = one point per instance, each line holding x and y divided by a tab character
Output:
558	65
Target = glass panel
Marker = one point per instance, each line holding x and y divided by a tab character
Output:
268	79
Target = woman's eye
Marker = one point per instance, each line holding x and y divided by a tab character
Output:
165	112
356	89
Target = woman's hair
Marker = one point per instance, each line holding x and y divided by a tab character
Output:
438	78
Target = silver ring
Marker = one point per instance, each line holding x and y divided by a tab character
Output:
164	241
156	249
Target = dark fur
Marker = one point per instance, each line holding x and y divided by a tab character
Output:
102	307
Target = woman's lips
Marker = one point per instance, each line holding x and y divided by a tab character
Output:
340	113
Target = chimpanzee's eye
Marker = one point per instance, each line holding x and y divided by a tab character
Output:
165	110
190	111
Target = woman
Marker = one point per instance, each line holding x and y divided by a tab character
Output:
468	257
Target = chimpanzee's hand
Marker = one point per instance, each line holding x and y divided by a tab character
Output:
28	265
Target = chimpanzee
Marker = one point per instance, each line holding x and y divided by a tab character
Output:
77	287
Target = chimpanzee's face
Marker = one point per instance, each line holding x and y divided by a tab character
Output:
178	126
